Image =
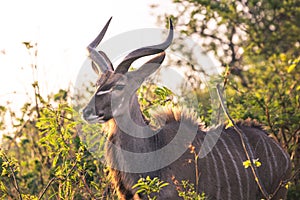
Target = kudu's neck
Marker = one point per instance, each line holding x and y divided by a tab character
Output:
135	112
131	121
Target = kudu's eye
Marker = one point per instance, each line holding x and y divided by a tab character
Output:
119	87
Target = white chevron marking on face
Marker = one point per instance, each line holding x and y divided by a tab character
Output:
103	92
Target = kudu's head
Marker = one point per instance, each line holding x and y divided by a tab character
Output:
115	88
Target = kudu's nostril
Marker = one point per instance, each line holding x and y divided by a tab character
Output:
100	113
87	111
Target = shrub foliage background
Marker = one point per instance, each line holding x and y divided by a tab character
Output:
44	157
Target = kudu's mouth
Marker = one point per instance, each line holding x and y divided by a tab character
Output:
93	119
89	116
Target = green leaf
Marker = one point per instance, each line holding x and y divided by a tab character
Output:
291	68
140	191
163	185
230	124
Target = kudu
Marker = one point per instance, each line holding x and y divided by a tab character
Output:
220	174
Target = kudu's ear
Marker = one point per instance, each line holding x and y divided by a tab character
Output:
100	60
148	68
108	62
95	68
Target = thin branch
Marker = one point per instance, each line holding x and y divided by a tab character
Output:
269	118
47	186
245	144
86	186
57	178
15	184
296	132
283	183
36	94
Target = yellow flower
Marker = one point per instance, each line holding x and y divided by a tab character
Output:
287	185
256	162
247	164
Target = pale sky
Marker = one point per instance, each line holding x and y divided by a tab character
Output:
62	29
